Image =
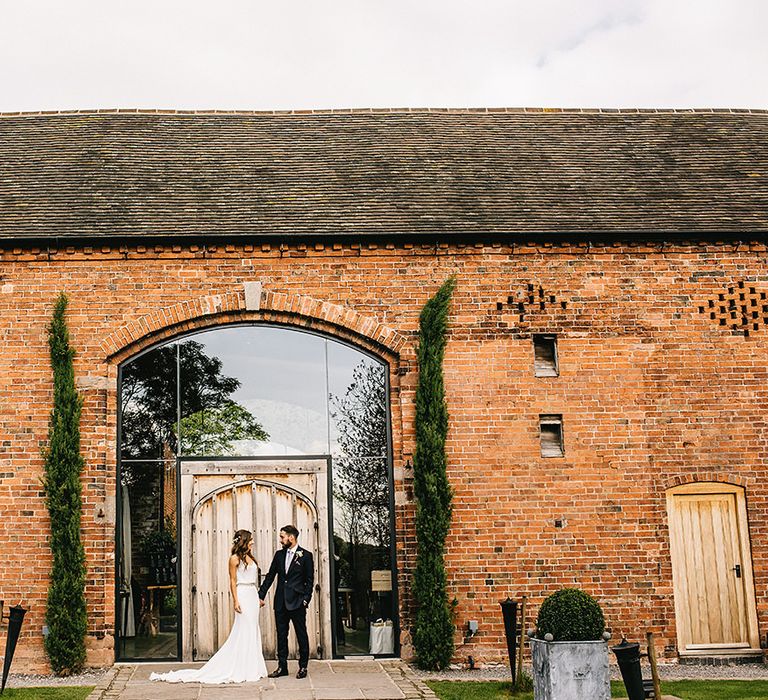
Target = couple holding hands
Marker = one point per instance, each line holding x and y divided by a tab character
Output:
240	658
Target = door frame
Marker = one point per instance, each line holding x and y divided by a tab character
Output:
684	647
258	468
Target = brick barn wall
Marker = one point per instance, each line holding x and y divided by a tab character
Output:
653	392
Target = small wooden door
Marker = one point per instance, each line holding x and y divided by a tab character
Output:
220	498
712	569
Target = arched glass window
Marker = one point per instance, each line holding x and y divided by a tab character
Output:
254	391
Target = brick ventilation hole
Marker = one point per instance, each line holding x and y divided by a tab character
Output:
741	309
528	300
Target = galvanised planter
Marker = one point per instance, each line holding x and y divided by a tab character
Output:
570	670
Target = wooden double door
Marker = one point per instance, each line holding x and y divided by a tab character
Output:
220	497
712	570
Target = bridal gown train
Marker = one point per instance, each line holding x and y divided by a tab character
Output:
240	658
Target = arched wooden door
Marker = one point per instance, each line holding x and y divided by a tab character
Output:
262	504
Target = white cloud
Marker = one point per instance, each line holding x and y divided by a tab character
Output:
245	54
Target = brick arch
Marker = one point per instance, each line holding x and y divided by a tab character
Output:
252	303
706	477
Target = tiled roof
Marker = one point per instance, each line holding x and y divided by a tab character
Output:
515	172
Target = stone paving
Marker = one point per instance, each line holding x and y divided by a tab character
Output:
327	680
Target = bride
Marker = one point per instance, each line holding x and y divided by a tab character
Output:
240	658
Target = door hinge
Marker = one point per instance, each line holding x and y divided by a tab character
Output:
737	569
194	589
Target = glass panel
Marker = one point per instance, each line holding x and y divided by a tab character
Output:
363	582
147	566
148	400
357	403
362	555
253	391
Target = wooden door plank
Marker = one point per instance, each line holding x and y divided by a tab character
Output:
687	519
720	572
707	574
730	556
204	583
745	551
736	587
697	573
679	583
214	559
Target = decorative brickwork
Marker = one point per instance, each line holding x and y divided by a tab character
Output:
218	309
741	309
708	477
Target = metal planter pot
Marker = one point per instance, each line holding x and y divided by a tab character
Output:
570	670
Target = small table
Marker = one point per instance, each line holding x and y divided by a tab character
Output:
152	590
347	593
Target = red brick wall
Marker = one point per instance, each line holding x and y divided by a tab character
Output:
652	392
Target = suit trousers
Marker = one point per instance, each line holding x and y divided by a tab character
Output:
283	618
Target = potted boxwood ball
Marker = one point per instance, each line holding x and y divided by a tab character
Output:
569	648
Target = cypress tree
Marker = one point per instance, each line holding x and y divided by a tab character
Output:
65	614
433	633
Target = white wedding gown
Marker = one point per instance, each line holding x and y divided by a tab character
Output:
240	658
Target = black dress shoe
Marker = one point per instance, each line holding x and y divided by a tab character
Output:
278	672
302	673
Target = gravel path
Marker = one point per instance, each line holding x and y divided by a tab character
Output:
21	680
667	671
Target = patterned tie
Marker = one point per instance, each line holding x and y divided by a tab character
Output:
288	558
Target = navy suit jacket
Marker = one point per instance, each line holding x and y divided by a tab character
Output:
294	588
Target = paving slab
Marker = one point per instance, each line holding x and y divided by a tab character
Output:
306	694
339	694
327	680
239	691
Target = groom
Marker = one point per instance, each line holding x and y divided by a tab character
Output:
295	572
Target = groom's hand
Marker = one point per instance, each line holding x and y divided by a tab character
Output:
261	602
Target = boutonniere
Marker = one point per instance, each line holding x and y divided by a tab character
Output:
299	554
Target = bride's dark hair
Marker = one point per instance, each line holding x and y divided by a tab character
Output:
241	546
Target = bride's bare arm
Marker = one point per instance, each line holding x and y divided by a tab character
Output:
233	562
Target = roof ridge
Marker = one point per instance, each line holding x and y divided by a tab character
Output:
390	110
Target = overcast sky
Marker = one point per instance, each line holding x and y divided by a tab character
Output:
299	54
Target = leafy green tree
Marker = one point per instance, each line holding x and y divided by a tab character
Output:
211	432
65	613
210	420
433	629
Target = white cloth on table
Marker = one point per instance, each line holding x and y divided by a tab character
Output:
382	638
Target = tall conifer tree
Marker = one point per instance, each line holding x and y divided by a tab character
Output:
65	614
433	633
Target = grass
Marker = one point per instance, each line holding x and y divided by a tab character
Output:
475	690
709	690
688	690
57	693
